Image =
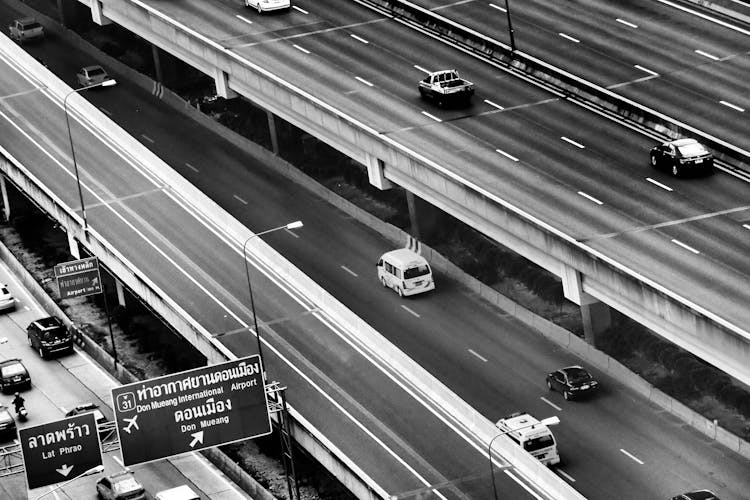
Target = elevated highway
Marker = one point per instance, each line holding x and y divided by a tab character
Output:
587	209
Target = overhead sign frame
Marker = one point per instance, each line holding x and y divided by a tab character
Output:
61	450
191	410
78	278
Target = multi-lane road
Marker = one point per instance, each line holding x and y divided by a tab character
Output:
444	331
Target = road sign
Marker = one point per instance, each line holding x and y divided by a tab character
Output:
60	450
191	410
78	277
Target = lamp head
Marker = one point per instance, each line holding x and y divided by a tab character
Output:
550	421
294	225
109	83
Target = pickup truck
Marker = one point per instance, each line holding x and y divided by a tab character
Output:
446	86
26	29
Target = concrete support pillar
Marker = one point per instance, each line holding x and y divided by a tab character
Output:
222	85
120	292
272	133
73	246
596	315
6	203
424	218
375	173
157	63
96	14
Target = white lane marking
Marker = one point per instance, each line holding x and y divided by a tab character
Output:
631	456
478	355
686	247
746	226
410	311
239	199
569	38
363	81
553	405
105	111
626	23
506	154
646	70
566	476
191	167
420	68
498	7
26	308
589	197
289	231
147	138
350	271
431	116
704	16
301	49
574	143
495	105
244	19
657	183
117	459
733	106
359	38
706	54
300	9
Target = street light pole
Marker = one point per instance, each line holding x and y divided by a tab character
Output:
93	470
291	225
547	422
105	83
510	28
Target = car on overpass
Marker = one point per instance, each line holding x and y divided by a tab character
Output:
120	486
697	495
268	5
682	156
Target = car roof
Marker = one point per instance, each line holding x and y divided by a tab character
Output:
404	257
682	142
26	20
701	495
49	322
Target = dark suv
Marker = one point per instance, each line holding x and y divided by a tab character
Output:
48	335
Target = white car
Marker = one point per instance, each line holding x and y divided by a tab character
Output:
266	5
7	301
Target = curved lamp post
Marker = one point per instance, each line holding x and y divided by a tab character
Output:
547	422
510	29
291	225
93	470
106	83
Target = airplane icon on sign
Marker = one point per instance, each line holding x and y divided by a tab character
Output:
131	423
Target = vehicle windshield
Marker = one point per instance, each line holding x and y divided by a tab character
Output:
126	485
538	443
31	26
96	72
416	271
692	149
578	375
12	370
55	334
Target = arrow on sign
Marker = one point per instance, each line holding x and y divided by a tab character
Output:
197	438
65	470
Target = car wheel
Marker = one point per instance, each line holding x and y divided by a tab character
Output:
567	396
400	291
549	385
41	353
676	170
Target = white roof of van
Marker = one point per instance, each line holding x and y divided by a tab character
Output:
179	493
404	256
522	424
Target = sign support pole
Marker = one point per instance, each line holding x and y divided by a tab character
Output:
109	324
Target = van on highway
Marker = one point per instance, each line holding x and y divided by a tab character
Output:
183	492
406	272
532	436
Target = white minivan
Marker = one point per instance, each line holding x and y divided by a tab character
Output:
406	272
183	492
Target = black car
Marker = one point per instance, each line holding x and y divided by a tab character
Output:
572	381
697	495
682	156
82	408
120	486
13	374
7	424
49	335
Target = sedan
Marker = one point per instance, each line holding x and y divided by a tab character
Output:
266	5
7	301
697	495
572	381
13	374
7	424
91	75
120	486
682	156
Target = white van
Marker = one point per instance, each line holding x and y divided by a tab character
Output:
183	492
406	272
532	436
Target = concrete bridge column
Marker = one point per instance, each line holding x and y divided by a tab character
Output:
272	133
73	246
221	80
424	218
596	315
120	292
96	14
375	173
6	203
